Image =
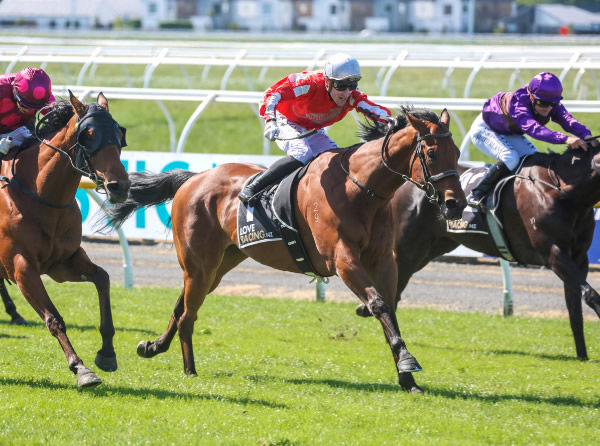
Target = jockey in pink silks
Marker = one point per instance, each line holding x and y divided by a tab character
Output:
21	95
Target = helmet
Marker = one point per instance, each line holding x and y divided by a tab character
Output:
545	86
32	88
342	66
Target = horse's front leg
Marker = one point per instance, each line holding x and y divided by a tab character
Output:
79	268
354	275
28	280
576	288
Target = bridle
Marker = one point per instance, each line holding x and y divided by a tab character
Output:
107	132
427	186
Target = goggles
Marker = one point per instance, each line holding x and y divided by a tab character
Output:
23	103
344	85
542	103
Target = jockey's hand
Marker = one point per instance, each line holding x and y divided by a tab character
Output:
389	121
576	143
591	141
5	145
271	130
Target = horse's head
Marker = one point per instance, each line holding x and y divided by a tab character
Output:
594	148
99	140
434	162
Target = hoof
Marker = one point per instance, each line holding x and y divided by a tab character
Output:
408	363
18	320
87	378
363	311
106	363
142	349
408	384
415	389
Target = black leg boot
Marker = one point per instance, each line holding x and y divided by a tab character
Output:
278	170
491	177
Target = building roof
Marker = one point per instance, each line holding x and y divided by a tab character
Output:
565	15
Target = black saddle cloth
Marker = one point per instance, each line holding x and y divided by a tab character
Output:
271	218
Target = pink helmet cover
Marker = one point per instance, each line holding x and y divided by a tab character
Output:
32	88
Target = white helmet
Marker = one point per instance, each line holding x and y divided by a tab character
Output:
341	66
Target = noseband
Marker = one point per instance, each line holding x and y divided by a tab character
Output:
427	187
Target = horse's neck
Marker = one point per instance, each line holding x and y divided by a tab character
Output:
367	167
572	173
370	166
54	179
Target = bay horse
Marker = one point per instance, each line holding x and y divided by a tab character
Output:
40	221
343	212
548	218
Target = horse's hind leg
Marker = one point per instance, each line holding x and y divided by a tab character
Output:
149	349
79	268
9	305
202	275
33	290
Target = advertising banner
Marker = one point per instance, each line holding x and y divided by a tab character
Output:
154	223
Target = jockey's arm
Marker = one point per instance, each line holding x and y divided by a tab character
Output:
373	111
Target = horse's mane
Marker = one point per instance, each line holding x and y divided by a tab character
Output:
56	118
368	131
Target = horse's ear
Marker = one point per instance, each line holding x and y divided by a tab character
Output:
445	118
417	124
102	101
77	105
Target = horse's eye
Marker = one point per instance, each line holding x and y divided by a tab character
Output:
431	154
86	136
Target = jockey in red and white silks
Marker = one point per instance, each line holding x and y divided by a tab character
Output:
303	101
311	100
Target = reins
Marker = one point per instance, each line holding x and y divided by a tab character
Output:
553	171
427	187
368	191
89	173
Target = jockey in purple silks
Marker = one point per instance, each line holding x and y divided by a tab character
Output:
21	95
499	131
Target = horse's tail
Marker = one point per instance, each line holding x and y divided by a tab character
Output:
147	189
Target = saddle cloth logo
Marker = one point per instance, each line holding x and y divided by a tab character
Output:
255	223
472	220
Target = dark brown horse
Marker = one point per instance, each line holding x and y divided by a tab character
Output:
344	214
40	221
547	212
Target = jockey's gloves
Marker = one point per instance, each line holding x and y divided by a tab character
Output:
271	130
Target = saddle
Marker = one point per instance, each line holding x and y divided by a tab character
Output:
271	218
488	222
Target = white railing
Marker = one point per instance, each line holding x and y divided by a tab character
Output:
252	98
386	58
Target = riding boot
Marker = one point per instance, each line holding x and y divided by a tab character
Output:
491	177
278	170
